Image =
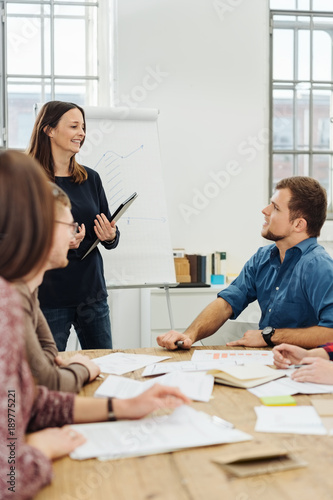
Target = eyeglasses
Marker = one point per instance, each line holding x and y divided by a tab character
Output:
73	225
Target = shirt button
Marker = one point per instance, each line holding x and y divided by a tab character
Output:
277	288
269	310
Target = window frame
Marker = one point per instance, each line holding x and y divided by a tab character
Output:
291	85
105	52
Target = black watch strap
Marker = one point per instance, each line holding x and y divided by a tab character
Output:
267	334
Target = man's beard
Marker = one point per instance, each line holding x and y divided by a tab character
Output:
272	237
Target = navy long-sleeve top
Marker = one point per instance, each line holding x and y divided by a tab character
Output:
82	281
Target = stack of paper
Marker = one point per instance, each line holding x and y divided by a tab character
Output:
196	386
184	428
293	419
245	376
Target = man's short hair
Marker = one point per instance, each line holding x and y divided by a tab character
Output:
308	201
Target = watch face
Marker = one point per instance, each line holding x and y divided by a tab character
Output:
267	330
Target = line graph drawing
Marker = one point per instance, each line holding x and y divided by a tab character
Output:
111	166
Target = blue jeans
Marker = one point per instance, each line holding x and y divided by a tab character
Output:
91	322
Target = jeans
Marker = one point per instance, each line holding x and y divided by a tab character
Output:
91	322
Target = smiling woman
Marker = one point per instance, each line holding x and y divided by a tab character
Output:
75	295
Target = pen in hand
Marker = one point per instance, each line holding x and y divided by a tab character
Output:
179	344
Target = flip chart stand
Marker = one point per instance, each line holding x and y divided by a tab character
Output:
145	337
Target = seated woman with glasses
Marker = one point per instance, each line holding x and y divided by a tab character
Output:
46	365
26	229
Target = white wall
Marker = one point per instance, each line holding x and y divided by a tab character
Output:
212	93
205	65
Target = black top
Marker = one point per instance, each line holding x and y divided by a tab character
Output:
82	281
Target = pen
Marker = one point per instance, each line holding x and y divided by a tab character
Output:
180	344
296	366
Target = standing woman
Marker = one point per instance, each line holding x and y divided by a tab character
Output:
75	295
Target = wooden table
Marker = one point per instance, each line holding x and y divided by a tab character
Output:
190	474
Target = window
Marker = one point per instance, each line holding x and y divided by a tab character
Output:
51	50
302	91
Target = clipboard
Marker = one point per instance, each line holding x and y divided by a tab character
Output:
115	216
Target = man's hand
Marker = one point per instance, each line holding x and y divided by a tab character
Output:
286	355
169	339
317	370
251	338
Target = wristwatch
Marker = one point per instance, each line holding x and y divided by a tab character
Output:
267	335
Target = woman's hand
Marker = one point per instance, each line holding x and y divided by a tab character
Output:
317	370
77	239
55	442
105	230
286	355
158	396
81	359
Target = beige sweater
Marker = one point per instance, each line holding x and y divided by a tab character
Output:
41	349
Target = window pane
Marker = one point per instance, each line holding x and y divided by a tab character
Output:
283	119
69	10
302	119
80	1
283	54
282	167
302	165
283	4
69	47
323	5
322	55
321	170
321	119
303	62
21	100
82	93
23	8
303	4
24	45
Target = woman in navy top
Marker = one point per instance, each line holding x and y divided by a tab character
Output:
76	294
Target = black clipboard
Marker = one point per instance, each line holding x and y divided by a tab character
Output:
115	216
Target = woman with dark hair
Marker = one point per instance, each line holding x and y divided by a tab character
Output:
47	367
26	230
77	294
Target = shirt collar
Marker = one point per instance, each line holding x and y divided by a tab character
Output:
303	246
306	244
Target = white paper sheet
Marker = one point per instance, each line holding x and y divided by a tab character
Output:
288	387
183	366
289	419
123	362
196	386
237	357
184	428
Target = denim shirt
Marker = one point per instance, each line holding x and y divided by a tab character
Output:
296	293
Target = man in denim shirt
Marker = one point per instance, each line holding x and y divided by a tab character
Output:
292	279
